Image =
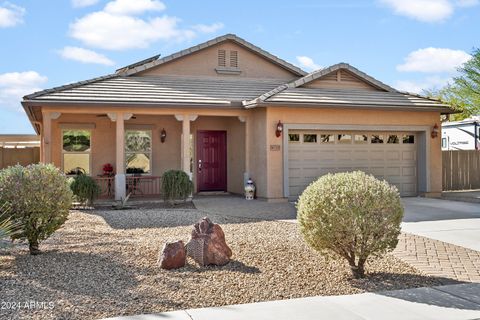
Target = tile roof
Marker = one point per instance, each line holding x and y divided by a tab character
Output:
161	90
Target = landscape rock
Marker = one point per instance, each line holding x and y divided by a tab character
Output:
207	244
173	255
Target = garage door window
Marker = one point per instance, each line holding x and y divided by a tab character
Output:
393	138
293	137
361	138
376	138
327	138
408	138
344	138
310	138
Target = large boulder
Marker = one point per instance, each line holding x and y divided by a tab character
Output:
173	255
207	244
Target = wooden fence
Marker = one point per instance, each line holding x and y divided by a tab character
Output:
461	170
23	156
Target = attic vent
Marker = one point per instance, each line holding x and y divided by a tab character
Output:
222	58
234	59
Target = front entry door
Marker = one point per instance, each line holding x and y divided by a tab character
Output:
212	160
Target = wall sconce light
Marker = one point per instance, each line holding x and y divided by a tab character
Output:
435	130
279	130
163	135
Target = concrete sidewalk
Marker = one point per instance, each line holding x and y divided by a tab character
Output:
453	302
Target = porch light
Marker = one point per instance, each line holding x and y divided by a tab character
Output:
279	130
435	130
163	135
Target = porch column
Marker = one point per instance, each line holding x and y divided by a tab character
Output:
185	141
246	174
47	135
120	180
185	154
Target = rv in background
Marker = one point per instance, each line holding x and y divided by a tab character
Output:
461	135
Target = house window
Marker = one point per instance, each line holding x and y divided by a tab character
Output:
293	137
408	138
310	138
138	151
344	138
76	148
361	138
393	138
327	138
376	138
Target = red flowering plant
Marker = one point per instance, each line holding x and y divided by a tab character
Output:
108	169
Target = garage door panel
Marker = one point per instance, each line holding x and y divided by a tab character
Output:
394	162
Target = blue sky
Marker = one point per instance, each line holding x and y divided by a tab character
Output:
409	44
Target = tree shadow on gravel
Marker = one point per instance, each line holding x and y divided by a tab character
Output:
386	281
77	273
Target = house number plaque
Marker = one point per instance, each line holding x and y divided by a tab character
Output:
274	147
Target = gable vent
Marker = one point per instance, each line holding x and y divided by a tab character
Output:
234	59
222	58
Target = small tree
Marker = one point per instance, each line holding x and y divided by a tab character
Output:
39	197
352	215
85	189
176	185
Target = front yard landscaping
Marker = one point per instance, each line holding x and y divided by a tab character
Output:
103	263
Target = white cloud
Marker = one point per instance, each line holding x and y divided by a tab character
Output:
308	63
112	32
422	10
204	28
83	3
434	60
15	85
129	7
427	10
117	28
85	56
434	82
10	15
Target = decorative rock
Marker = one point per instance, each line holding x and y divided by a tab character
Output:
207	244
173	255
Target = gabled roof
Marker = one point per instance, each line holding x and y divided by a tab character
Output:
136	67
321	73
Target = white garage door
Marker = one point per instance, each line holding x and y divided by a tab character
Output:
391	156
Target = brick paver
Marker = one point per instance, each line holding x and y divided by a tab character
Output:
439	258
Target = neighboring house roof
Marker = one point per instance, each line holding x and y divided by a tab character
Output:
135	68
19	140
162	90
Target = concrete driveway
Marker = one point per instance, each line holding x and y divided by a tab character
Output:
453	222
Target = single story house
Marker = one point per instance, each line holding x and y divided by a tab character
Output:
225	111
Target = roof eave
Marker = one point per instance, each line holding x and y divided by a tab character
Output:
441	109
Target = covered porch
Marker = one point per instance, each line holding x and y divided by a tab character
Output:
141	146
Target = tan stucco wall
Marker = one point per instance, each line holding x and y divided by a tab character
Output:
235	147
204	62
274	172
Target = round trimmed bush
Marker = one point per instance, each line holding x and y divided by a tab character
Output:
39	198
352	215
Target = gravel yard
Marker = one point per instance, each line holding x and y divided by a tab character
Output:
104	263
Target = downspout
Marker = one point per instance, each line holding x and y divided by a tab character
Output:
40	127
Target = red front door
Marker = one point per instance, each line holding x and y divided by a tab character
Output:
212	160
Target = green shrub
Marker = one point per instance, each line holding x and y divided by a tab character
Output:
352	215
176	185
39	199
8	228
85	189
